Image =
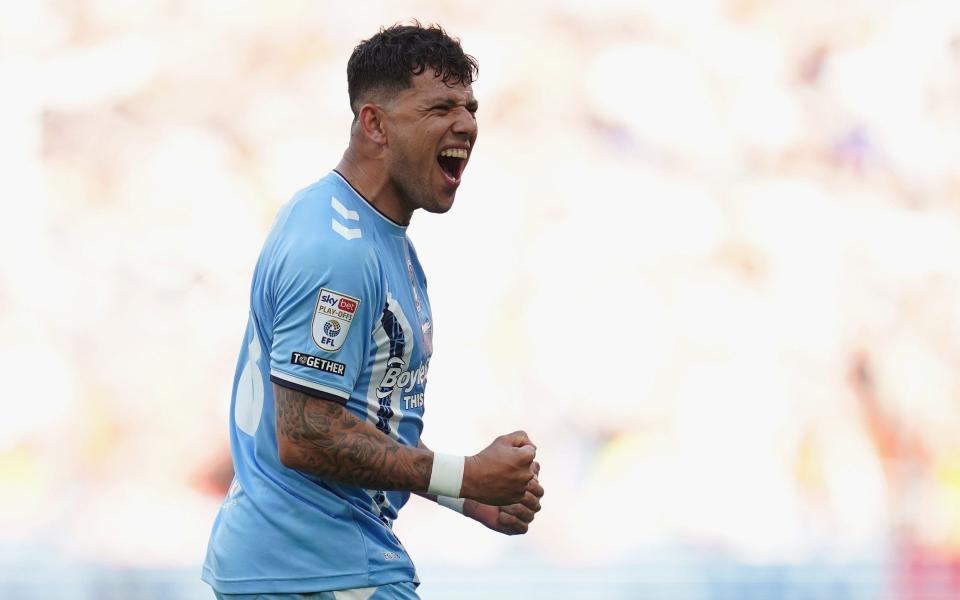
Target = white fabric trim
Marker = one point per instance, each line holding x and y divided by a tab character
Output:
446	478
306	383
248	407
354	594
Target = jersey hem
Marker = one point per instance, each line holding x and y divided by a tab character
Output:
306	585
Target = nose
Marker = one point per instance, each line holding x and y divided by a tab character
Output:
465	123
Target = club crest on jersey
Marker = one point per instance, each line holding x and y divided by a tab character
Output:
332	319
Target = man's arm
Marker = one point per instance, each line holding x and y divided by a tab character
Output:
512	519
325	438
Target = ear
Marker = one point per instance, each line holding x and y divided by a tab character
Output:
371	122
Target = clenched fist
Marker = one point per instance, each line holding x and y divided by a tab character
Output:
499	474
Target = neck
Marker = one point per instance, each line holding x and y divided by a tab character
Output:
369	177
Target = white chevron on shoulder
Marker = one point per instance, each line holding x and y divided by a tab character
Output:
343	211
346	232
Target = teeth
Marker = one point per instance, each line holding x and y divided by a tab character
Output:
454	153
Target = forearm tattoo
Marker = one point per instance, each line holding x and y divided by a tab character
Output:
328	440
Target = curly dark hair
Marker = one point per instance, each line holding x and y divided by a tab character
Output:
389	59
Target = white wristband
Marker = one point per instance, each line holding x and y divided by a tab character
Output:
455	504
446	478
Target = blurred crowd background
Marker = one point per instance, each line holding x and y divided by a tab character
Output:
707	254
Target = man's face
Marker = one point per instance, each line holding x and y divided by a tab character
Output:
431	131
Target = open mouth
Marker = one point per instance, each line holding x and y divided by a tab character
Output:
452	161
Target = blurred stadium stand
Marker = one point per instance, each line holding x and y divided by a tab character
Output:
719	285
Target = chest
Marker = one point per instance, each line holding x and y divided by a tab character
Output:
402	344
406	313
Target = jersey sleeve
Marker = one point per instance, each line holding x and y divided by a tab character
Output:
325	299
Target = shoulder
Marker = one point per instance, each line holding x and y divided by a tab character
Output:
319	225
315	204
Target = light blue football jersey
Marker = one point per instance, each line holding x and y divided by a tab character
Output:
338	310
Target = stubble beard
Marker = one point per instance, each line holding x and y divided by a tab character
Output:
415	192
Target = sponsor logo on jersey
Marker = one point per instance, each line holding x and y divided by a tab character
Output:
332	319
413	401
348	305
320	364
398	377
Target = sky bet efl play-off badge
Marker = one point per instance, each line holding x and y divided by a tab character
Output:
331	321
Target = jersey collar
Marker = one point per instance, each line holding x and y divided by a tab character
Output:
384	219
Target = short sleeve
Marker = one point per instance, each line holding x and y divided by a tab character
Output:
325	298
